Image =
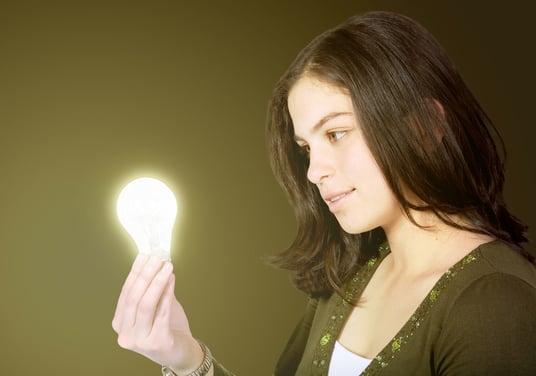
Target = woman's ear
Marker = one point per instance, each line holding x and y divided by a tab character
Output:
437	107
428	125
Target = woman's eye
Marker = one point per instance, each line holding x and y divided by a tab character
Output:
336	135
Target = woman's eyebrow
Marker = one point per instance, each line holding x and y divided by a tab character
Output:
320	123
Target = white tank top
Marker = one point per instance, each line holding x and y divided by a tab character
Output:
346	363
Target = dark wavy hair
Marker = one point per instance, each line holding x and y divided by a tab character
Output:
426	130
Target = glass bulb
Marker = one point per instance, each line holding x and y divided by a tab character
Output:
147	208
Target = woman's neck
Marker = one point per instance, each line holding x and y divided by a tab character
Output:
432	249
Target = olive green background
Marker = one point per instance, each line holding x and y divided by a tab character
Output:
95	93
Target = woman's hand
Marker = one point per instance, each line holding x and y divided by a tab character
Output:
150	321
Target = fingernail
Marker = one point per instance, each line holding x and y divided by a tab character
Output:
167	267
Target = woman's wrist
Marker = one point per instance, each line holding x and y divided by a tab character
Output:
205	364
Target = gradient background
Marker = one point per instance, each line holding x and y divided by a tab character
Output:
96	93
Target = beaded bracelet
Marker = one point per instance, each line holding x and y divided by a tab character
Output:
203	368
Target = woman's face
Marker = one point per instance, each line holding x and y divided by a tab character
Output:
340	162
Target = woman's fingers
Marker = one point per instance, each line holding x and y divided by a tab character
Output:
138	264
164	307
138	288
139	280
151	303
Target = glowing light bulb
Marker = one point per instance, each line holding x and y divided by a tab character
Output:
147	208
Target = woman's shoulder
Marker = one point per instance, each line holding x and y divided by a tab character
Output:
492	275
500	260
489	314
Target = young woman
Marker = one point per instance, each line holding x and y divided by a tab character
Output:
413	263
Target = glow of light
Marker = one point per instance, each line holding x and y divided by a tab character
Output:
147	209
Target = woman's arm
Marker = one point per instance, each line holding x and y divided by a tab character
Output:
291	356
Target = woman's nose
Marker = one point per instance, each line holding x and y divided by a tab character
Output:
320	167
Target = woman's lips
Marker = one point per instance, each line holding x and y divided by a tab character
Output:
335	200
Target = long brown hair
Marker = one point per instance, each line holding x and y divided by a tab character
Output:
426	130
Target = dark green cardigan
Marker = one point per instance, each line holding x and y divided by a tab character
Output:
479	319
